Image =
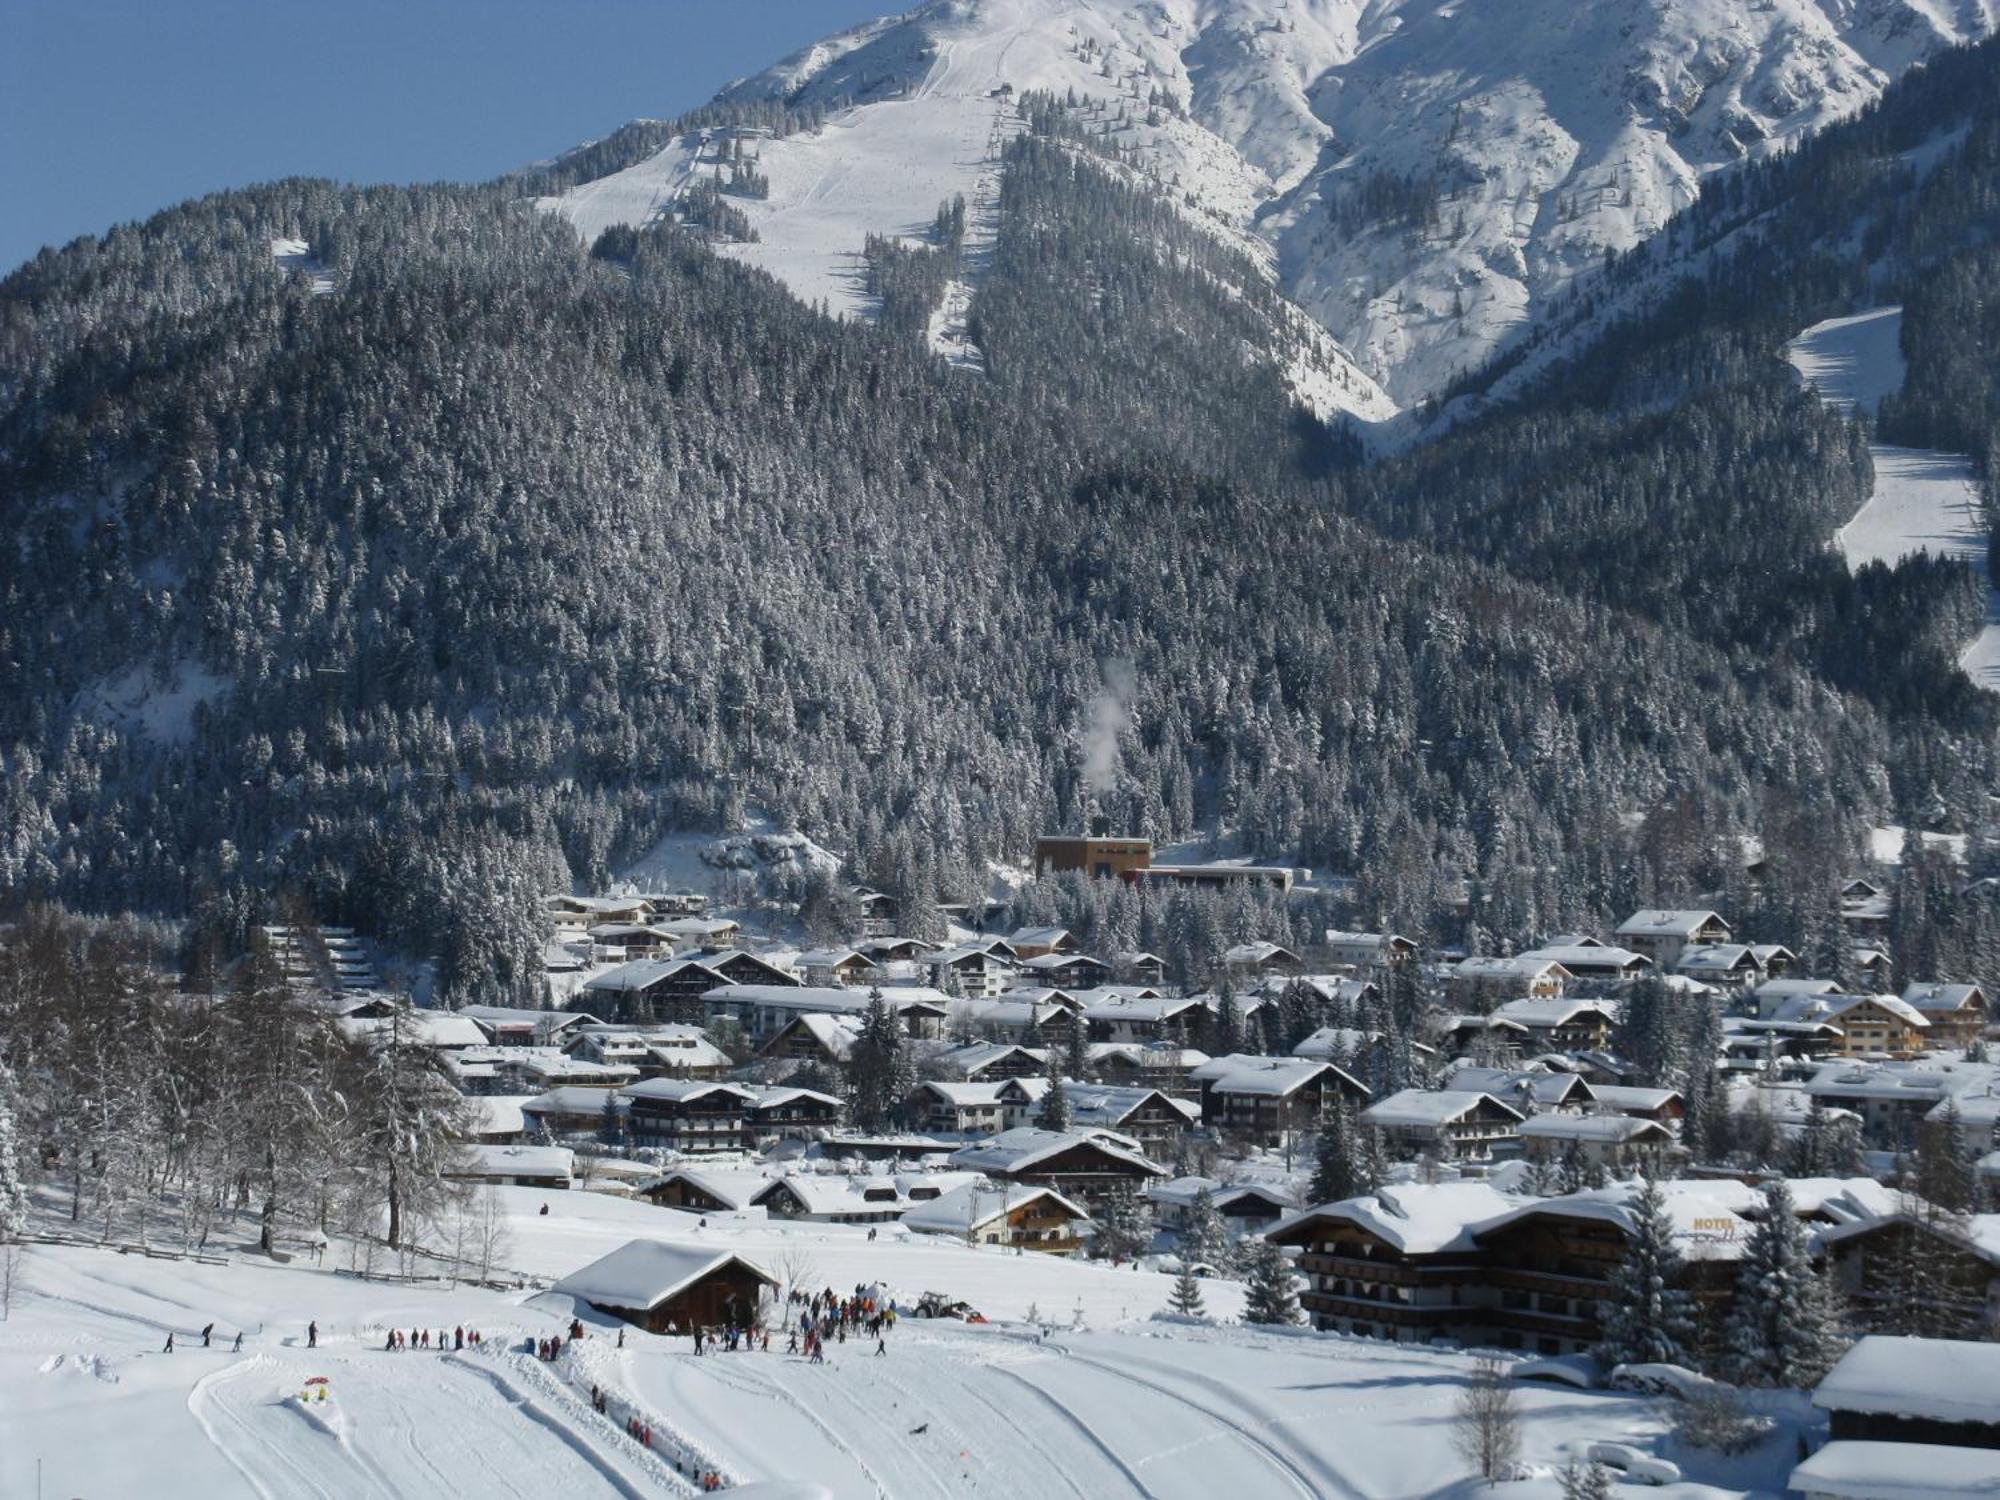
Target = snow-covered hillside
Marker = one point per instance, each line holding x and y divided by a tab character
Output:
1100	1400
1923	501
1420	175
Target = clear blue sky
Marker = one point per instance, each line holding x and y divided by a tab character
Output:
112	109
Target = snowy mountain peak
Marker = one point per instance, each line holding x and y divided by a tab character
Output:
1419	175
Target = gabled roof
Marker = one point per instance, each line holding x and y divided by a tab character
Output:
1549	1013
1416	1218
1022	1149
1525	968
1546	1086
1258	953
971	1206
1942	998
685	1090
643	973
1668	922
1423	1109
1716	958
1113	1105
1858	1469
1621	1130
1270	1077
644	1273
1038	937
1707	1215
1579	957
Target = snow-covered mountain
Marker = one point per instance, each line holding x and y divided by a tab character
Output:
1419	175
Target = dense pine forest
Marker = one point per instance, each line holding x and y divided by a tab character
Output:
470	578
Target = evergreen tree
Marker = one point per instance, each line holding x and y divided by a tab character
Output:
1122	1228
1946	1172
610	1124
879	1068
1054	1112
1269	1295
1587	1481
1185	1298
1076	1050
1227	1027
1649	1317
1336	1172
13	1186
1204	1237
1783	1329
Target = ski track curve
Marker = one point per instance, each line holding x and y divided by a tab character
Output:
1292	1468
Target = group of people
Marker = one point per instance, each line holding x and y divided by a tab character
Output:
207	1339
732	1338
420	1338
827	1315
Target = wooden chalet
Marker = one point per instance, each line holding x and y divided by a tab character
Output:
672	1288
649	989
695	1116
1086	1167
1272	1101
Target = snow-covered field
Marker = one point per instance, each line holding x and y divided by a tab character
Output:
1923	501
1099	1400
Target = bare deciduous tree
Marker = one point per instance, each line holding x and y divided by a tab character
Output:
1488	1433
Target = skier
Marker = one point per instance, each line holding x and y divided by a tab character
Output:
170	1341
621	1338
312	1334
207	1330
238	1349
545	1209
458	1338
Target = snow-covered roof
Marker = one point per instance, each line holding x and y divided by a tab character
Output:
1708	1215
1544	1014
1608	1129
1417	1218
1668	922
1593	955
1941	997
1271	1077
1429	1108
421	1028
642	973
513	1161
495	1114
1056	963
1716	958
982	1094
1943	1380
1038	937
1524	968
1789	987
683	1090
977	1057
1113	1006
778	1095
1851	1469
1023	1148
827	999
644	1273
1621	1096
1110	1104
972	1205
1243	955
1548	1087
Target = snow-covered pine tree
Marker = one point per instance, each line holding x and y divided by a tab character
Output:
1649	1317
1228	1025
1122	1227
610	1124
1076	1050
13	1187
1336	1172
1204	1237
1054	1112
1586	1481
1185	1298
879	1070
1784	1329
1269	1294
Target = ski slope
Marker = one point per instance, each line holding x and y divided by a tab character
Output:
1096	1399
1923	500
